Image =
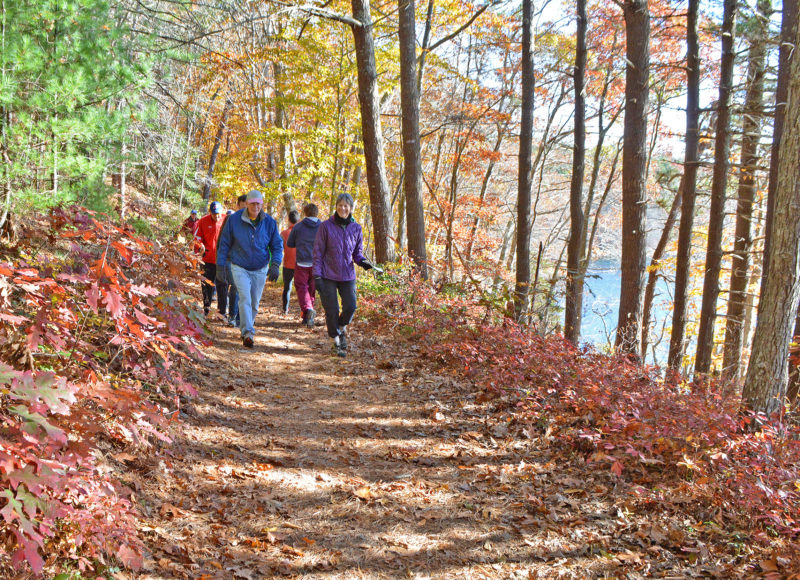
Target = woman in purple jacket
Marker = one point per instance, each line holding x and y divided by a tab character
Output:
336	247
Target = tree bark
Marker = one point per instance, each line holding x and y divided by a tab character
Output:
412	175
743	241
767	373
689	188
634	162
523	273
719	182
574	299
380	203
789	17
212	161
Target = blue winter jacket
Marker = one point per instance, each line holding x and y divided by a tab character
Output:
335	250
248	245
302	237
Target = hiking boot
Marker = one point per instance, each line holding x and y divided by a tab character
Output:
247	341
342	338
338	349
309	318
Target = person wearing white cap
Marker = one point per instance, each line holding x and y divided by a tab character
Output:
251	244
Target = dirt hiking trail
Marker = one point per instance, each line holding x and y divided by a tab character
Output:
293	462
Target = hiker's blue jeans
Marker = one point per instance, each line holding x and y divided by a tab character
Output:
250	285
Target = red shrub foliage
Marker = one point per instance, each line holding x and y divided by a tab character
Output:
92	333
662	438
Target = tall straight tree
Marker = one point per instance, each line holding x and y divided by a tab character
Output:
767	373
412	175
523	278
379	198
789	18
689	188
574	298
634	167
719	182
751	135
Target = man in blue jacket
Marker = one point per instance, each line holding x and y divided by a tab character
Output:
251	243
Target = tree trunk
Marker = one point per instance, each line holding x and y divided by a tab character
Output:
634	162
767	373
412	176
380	204
212	161
654	270
574	299
523	273
743	241
689	188
789	17
716	214
123	179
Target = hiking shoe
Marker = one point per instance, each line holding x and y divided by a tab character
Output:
342	338
233	322
338	349
247	341
309	319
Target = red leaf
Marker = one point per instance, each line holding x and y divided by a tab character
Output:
616	468
113	303
129	557
123	251
92	294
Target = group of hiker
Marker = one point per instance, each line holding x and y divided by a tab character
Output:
242	250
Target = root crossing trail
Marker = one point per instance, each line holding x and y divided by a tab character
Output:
296	463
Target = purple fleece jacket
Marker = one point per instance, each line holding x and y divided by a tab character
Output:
336	248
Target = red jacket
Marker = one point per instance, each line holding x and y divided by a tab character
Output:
190	226
207	234
289	254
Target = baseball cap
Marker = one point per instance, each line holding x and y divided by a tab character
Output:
194	211
216	207
254	195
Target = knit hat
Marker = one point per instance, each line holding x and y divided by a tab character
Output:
216	207
254	195
347	198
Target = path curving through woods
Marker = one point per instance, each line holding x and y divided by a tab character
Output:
296	463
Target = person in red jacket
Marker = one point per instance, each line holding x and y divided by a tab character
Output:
289	261
208	229
189	226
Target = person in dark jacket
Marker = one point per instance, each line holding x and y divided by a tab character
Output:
251	244
337	247
233	295
302	238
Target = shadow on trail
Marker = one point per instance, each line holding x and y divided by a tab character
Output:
299	463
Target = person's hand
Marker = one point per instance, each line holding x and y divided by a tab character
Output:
272	273
318	283
367	265
222	276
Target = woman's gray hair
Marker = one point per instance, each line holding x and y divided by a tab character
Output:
346	197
